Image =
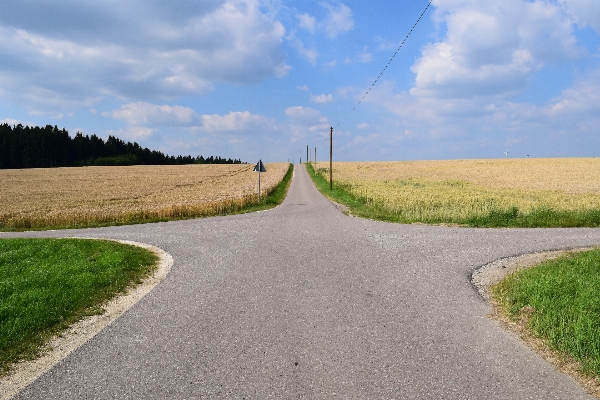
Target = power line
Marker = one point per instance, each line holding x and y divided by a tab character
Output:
387	65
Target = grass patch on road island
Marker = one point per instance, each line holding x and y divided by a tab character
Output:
558	302
48	284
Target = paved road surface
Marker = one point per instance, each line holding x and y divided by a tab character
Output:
304	302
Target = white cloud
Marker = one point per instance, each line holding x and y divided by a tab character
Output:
339	19
134	50
365	57
307	22
132	133
584	12
305	123
322	99
492	48
580	100
236	121
12	122
300	113
484	127
310	54
146	114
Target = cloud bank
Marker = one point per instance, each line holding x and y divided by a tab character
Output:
108	49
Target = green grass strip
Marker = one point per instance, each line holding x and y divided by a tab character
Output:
357	206
560	298
500	218
275	196
48	284
538	218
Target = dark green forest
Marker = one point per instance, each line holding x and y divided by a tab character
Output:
49	147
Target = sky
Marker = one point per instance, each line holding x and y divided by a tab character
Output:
264	79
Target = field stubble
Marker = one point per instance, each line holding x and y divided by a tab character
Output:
460	191
90	196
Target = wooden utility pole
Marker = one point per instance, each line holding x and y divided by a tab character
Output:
307	160
330	158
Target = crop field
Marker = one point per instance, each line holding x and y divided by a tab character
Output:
467	191
92	196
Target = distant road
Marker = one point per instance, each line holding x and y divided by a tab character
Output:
302	301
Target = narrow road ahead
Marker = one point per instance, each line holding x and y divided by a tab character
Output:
304	302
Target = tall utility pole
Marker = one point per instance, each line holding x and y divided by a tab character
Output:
330	158
307	160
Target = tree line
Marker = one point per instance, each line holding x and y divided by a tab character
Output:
49	147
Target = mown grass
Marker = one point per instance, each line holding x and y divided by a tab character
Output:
48	284
449	202
558	302
240	205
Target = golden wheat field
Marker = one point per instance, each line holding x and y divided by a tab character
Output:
460	189
35	198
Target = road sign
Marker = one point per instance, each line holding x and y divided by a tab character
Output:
259	167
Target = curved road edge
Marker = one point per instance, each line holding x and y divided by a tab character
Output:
485	276
80	332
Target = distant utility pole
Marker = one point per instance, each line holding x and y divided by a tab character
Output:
330	158
307	154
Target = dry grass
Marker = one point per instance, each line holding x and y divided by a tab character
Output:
61	197
454	191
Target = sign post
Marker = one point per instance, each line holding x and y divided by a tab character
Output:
330	158
259	167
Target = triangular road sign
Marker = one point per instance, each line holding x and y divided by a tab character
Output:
259	167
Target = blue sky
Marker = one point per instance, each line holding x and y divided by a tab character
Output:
256	79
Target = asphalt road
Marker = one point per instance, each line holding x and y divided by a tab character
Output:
304	302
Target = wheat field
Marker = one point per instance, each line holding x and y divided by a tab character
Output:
84	196
458	190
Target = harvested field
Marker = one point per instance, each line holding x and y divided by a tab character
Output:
88	196
460	191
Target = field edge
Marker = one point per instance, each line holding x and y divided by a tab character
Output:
511	217
245	204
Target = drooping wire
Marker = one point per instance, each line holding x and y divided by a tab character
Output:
387	65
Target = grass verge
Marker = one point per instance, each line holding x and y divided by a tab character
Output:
241	205
358	206
558	303
274	197
511	217
537	218
48	284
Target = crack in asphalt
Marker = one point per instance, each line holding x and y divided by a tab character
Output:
305	302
